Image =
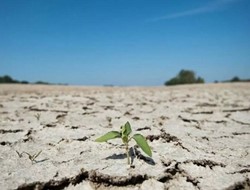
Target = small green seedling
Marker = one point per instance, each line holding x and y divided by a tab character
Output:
124	134
31	157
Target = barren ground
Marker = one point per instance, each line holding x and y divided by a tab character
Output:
199	134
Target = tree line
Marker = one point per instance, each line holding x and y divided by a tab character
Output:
189	77
9	80
183	77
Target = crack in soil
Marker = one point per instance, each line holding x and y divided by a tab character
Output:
29	132
243	133
136	118
90	113
188	120
240	122
93	176
55	184
2	131
61	117
203	112
50	125
3	143
235	110
181	145
82	139
143	128
108	107
165	136
172	172
205	163
105	179
45	110
166	163
246	170
245	184
220	121
206	105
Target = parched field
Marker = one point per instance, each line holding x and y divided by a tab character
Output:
199	135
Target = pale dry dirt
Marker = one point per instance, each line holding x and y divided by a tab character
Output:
199	135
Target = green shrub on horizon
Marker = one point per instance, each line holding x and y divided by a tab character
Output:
7	79
185	77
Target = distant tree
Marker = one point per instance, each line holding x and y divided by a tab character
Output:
235	79
41	82
200	80
7	79
185	77
172	81
24	82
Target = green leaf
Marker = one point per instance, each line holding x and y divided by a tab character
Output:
142	142
127	130
108	136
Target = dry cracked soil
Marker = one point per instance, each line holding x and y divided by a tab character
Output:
199	135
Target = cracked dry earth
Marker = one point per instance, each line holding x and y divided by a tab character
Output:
199	134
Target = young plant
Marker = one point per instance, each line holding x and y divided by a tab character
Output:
124	134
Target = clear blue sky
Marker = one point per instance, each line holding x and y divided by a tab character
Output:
123	42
